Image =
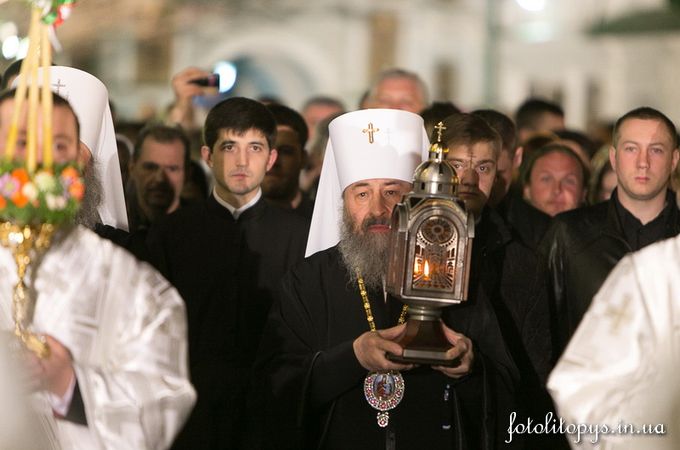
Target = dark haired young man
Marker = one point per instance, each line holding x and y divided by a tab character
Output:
226	258
281	184
528	223
503	266
583	245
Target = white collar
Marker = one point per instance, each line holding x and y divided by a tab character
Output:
236	212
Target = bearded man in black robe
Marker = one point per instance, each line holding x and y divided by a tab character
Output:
319	345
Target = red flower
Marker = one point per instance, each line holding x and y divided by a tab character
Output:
70	173
77	189
21	175
19	199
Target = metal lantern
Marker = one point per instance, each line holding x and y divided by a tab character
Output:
429	266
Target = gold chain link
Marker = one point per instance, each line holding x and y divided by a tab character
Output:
367	306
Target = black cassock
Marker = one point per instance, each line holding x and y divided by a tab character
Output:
227	272
317	382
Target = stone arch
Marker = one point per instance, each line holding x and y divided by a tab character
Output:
298	68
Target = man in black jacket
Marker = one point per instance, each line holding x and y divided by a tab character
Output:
584	245
527	223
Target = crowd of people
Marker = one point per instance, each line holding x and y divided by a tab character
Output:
225	285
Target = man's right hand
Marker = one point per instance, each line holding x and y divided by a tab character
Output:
371	347
182	110
182	86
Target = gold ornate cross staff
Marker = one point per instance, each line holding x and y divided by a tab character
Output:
24	238
437	148
370	130
440	127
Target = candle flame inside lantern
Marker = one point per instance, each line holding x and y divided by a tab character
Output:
426	270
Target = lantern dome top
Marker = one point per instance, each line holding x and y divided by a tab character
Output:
436	176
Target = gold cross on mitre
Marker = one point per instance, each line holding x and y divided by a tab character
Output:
370	130
58	85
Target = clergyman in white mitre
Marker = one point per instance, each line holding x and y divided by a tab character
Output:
363	145
90	100
116	375
620	370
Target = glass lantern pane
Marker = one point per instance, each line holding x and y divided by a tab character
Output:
435	255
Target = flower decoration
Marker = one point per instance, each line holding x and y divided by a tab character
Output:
48	196
36	199
54	12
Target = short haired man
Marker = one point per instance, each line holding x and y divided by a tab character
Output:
528	223
318	346
554	179
281	184
536	115
583	245
473	152
116	375
158	167
508	158
398	89
502	268
226	257
317	109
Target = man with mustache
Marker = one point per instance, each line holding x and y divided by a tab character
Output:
157	169
226	257
116	375
583	245
334	323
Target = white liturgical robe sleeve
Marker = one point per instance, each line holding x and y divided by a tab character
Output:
125	327
620	370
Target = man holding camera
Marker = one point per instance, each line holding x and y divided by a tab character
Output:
184	86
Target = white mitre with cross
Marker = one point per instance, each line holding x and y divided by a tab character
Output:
90	100
363	145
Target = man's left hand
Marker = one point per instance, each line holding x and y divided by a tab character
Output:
461	350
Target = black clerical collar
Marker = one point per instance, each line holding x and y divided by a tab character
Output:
635	233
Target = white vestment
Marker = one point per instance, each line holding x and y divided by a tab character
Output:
623	364
125	326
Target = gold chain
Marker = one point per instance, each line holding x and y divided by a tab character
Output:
367	306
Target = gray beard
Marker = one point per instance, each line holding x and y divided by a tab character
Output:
364	254
87	215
